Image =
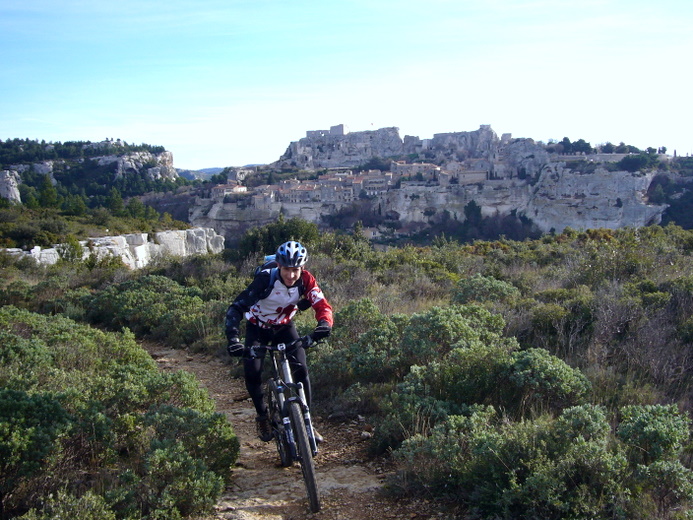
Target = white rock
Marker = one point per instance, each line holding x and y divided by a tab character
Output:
136	250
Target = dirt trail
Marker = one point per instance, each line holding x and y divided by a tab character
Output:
351	484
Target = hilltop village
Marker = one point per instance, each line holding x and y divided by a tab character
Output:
433	180
341	185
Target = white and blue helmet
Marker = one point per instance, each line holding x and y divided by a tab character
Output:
291	254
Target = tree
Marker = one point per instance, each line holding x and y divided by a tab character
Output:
114	202
608	147
267	238
472	213
567	145
48	195
76	205
70	250
135	208
581	146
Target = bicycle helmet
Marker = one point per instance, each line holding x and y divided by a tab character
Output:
291	254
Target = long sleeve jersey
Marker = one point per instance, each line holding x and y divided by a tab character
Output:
272	308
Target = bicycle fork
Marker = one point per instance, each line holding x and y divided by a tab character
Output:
286	370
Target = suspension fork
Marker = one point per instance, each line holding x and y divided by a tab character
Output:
300	391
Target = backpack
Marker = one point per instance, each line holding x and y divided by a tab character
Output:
270	263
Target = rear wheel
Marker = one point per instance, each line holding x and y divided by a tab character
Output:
306	454
283	447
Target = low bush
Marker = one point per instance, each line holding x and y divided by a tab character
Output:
550	468
84	411
157	307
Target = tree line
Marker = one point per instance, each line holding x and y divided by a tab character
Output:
22	151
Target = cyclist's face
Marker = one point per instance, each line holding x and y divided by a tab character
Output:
290	275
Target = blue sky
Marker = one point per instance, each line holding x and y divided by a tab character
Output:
232	82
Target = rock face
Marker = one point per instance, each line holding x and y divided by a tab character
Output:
558	200
153	166
138	249
601	199
9	185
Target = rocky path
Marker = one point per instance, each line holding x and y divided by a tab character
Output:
351	484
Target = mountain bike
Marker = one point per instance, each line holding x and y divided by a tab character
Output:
292	426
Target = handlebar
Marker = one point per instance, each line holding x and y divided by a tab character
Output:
302	342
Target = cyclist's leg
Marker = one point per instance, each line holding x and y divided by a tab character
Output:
252	369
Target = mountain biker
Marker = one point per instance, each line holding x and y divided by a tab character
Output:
269	305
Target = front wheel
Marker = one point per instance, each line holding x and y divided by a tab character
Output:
280	434
306	454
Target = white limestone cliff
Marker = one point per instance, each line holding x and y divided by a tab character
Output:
137	250
153	166
9	185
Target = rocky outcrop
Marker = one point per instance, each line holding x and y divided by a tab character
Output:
9	185
138	249
152	166
337	150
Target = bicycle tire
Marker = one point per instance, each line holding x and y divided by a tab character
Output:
306	454
283	447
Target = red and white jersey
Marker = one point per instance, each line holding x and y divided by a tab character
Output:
280	306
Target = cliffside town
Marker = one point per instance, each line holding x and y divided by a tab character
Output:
431	180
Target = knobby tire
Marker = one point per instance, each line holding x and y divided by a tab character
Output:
283	447
306	454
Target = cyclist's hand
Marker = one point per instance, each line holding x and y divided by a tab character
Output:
322	331
304	342
235	348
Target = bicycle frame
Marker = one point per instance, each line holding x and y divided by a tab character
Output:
288	391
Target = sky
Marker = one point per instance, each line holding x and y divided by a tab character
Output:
233	82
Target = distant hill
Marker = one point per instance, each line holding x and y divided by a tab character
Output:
202	174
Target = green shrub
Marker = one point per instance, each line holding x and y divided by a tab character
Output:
652	433
204	435
30	426
669	485
333	364
531	469
432	334
481	289
539	379
64	505
463	367
176	484
157	307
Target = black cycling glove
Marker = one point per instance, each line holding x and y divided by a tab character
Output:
322	331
